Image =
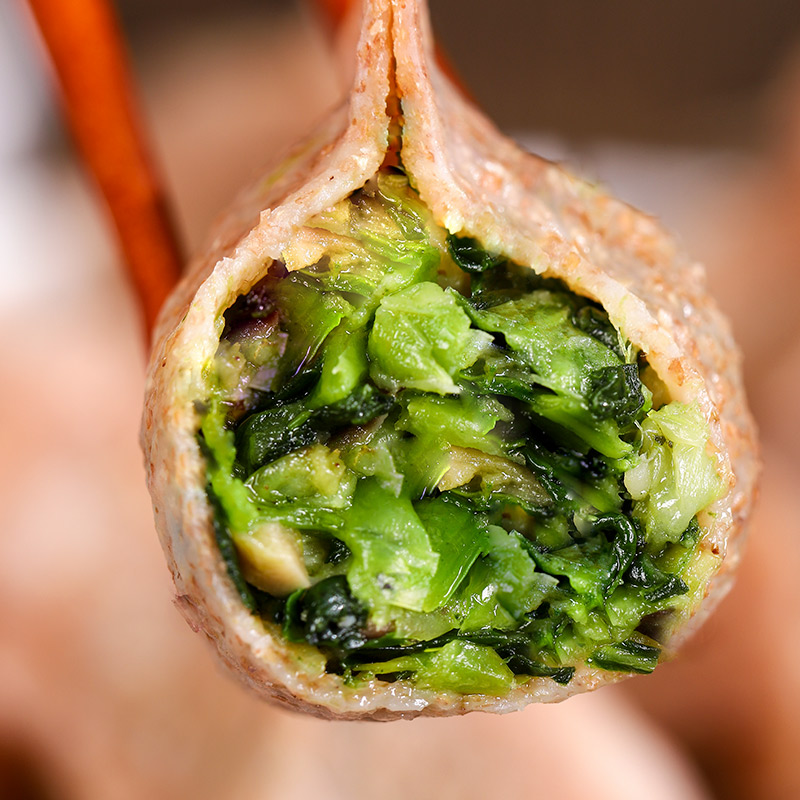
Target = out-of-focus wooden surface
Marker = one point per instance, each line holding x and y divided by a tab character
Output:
106	693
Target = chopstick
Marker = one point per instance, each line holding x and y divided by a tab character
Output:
88	55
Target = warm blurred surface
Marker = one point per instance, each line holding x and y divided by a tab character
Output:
105	692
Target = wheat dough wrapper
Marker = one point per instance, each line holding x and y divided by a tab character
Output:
477	183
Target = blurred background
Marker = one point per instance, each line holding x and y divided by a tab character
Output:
688	109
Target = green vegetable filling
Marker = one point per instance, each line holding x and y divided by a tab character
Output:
435	466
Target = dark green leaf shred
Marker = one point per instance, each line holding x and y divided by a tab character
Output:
326	614
469	255
228	551
627	656
616	393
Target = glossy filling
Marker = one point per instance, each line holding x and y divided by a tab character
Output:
435	466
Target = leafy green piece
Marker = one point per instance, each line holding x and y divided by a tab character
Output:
595	322
627	656
491	482
522	664
220	451
658	584
388	648
227	550
326	614
573	478
303	516
420	339
548	352
467	668
422	256
502	373
423	460
469	255
671	587
513	646
309	316
404	206
624	543
597	566
458	537
374	267
362	406
577	426
508	281
503	585
406	665
344	367
616	393
374	454
230	501
281	429
538	327
587	577
315	476
400	463
676	476
463	421
268	435
393	560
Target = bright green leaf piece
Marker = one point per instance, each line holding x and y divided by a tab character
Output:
505	577
315	476
580	426
344	367
420	339
462	421
458	537
232	495
309	315
676	476
270	434
627	656
393	561
466	668
540	329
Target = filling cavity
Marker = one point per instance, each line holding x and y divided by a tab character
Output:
432	465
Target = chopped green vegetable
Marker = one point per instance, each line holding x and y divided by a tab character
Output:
314	315
393	561
469	255
595	322
435	466
420	339
627	656
616	393
344	366
538	328
232	499
468	668
268	435
676	476
457	536
228	551
314	475
327	614
464	421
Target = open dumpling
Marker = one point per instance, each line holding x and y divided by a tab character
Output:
435	426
